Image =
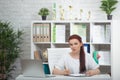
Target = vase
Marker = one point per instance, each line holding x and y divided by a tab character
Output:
109	17
44	17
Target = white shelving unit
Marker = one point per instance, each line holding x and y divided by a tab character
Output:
96	34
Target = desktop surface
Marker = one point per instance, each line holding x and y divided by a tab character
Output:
60	77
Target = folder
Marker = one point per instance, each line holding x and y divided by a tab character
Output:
48	33
37	29
34	32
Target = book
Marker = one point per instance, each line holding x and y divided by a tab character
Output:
54	33
107	33
98	33
60	33
80	29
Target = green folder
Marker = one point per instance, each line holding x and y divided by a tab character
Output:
95	53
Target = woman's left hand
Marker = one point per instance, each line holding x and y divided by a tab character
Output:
92	72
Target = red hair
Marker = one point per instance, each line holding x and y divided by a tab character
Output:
82	53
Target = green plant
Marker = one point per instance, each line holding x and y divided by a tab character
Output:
10	41
108	6
43	12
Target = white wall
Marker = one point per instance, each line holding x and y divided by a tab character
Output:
116	50
22	12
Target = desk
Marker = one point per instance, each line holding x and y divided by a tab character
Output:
95	77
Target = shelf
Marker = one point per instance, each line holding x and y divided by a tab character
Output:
42	42
84	29
72	21
101	43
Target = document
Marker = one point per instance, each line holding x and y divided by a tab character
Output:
78	75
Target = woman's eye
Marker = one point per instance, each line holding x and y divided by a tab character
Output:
70	44
75	43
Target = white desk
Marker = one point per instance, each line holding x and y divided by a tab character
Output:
95	77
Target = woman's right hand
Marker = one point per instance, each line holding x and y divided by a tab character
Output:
61	72
66	72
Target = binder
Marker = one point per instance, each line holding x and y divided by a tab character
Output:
42	33
40	25
48	33
45	32
34	32
37	27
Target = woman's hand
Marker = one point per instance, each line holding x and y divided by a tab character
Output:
61	72
92	72
66	72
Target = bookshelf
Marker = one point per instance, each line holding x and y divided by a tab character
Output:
96	36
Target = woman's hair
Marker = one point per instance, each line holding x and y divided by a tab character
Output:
82	53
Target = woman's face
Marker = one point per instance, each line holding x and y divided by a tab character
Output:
75	45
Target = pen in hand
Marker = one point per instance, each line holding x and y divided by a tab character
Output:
66	71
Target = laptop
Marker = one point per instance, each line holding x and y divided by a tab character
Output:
33	68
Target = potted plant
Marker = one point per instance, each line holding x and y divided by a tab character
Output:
43	12
108	6
10	41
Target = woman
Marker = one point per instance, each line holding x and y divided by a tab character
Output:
77	61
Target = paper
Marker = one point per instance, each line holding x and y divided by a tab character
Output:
78	75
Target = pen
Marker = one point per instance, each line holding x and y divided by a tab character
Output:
65	67
67	71
54	66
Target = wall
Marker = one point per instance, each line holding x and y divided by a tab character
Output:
116	50
22	12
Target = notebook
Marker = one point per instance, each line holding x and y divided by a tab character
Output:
78	75
33	68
